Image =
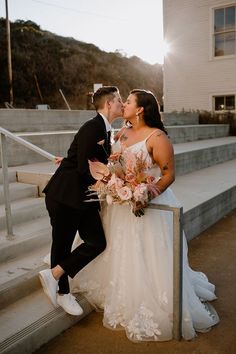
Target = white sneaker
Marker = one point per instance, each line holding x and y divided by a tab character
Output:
49	284
69	304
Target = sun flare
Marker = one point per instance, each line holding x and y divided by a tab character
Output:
166	48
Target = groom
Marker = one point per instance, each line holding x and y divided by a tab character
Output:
67	205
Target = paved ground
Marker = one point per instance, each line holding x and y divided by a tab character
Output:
213	252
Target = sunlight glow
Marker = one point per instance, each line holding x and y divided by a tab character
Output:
166	48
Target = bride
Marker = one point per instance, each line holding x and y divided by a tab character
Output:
131	281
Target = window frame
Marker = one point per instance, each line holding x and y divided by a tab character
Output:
213	33
224	96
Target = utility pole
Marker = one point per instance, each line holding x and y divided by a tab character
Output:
9	55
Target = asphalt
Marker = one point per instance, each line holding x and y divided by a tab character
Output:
214	253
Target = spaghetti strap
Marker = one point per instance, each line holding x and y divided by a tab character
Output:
149	136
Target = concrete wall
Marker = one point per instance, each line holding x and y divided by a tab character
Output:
33	120
192	75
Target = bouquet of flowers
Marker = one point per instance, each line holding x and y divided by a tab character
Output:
124	180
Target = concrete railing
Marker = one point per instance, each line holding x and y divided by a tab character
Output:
177	265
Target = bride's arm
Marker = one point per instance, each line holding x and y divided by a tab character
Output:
163	155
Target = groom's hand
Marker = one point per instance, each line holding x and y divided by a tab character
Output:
58	160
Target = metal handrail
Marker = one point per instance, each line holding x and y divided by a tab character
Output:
3	134
177	227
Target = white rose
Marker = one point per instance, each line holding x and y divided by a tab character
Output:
124	193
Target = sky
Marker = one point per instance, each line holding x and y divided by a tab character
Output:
134	27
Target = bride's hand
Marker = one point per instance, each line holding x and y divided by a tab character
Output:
138	209
139	212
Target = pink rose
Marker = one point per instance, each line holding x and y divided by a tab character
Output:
130	177
124	193
115	181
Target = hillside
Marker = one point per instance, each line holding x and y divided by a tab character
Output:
65	63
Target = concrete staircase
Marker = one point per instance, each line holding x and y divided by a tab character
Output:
205	185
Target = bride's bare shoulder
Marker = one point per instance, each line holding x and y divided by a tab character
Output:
159	138
120	134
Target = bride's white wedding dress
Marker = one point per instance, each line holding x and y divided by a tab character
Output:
132	279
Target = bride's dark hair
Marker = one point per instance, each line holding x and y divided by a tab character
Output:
148	101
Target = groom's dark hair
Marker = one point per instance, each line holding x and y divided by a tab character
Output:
102	94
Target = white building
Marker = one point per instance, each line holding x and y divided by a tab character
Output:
200	68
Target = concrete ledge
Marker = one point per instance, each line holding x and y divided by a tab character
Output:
183	134
33	120
198	158
206	214
180	118
39	179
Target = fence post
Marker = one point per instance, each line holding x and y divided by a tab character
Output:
10	234
177	272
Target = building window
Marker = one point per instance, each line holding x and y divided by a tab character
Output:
224	103
224	31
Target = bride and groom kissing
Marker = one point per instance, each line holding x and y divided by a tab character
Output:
123	264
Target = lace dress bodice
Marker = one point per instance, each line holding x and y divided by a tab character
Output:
140	148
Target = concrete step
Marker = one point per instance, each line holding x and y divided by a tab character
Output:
206	195
58	142
189	157
24	210
11	175
197	155
186	133
29	236
19	277
19	191
32	321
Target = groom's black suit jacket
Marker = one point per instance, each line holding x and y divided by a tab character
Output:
69	184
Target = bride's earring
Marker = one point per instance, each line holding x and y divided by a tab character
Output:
137	117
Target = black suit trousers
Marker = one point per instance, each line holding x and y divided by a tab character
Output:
66	221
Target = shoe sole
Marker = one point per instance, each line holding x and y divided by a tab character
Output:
45	289
73	314
70	313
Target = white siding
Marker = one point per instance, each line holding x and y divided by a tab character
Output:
191	74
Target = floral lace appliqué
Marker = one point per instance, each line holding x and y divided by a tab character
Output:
142	326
